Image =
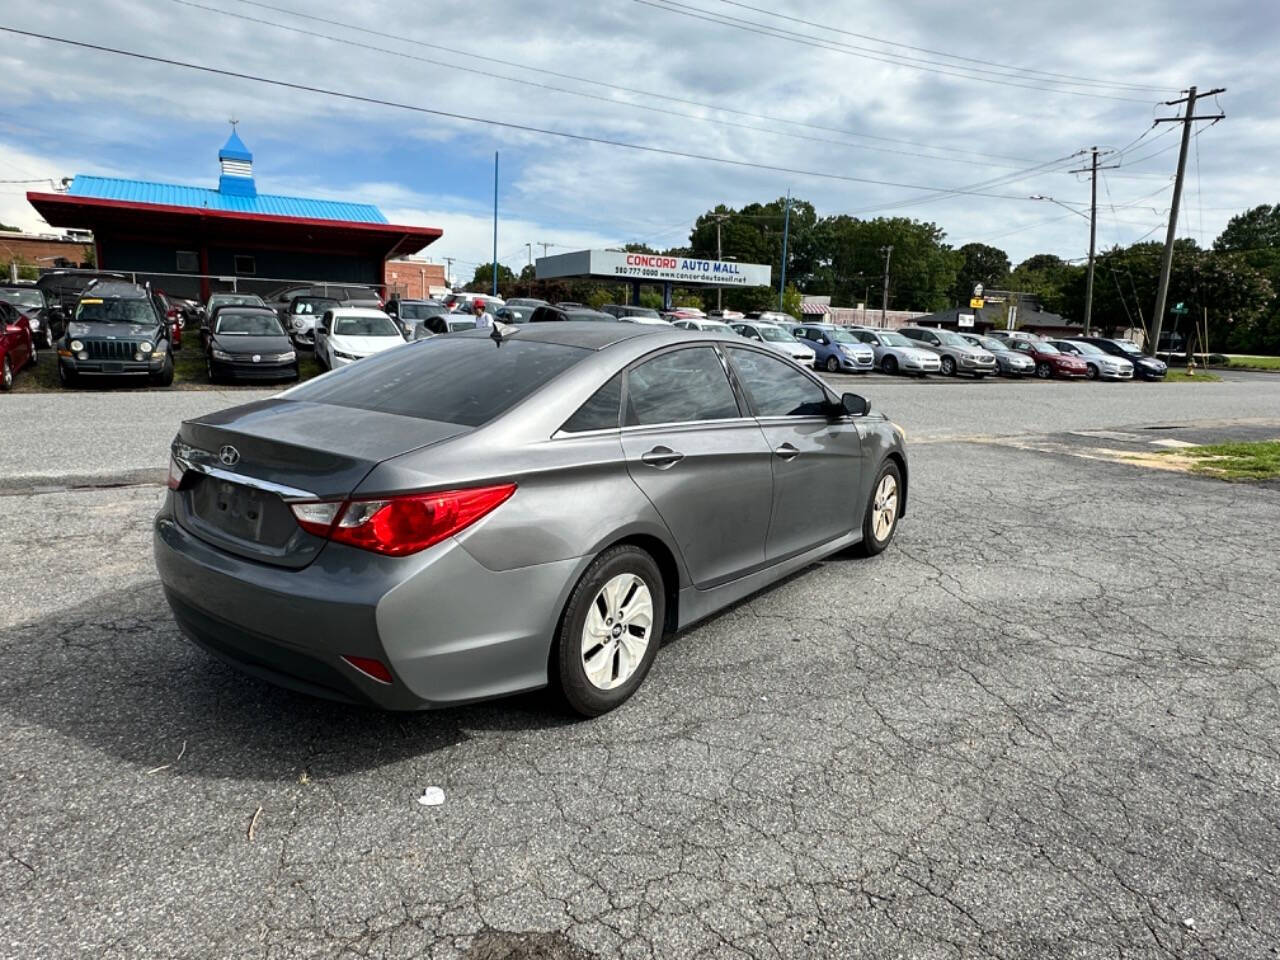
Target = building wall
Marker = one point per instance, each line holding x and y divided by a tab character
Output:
415	279
157	261
39	251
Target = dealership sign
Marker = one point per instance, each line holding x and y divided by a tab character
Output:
621	265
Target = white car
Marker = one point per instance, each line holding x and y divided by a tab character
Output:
347	334
703	324
464	302
773	336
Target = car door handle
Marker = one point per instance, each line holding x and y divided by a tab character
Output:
662	457
786	452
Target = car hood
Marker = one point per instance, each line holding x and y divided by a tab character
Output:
239	344
364	345
914	353
1017	359
110	331
855	347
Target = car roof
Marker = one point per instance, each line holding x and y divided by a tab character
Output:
588	334
357	312
116	289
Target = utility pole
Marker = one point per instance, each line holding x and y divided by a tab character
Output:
543	244
495	223
1092	170
1166	264
786	232
884	301
719	218
448	271
529	248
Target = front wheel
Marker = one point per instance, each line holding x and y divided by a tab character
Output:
164	377
6	375
66	377
948	367
833	365
889	365
610	631
880	519
1091	372
35	355
1043	370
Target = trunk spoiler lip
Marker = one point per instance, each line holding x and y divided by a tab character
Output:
193	458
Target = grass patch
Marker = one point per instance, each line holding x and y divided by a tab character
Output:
188	373
1235	461
1181	376
1255	363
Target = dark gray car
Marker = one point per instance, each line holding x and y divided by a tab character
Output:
465	517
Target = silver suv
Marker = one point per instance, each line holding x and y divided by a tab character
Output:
955	354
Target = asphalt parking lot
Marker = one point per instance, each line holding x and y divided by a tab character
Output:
1045	723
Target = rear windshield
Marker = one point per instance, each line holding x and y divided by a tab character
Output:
312	305
420	311
466	380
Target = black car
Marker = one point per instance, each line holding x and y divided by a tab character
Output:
249	343
1148	368
407	313
519	309
561	312
63	288
116	331
47	321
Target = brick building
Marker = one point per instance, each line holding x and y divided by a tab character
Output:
26	249
416	279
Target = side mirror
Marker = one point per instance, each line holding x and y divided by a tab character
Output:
854	405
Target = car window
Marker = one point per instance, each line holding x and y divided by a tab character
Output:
601	412
775	388
358	326
865	337
680	387
464	380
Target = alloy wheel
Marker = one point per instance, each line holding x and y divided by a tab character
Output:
1043	370
617	631
885	507
833	365
948	367
1091	372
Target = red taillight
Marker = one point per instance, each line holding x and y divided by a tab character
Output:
370	668
175	474
400	525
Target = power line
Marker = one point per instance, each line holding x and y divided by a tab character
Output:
470	55
611	101
502	124
951	56
698	13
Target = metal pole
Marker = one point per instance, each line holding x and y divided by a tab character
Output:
495	223
884	300
719	256
786	232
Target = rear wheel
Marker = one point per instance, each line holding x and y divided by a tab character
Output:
880	518
35	355
610	631
889	365
948	367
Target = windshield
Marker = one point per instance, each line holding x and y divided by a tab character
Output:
992	344
249	325
93	310
776	334
949	339
1128	346
313	306
843	336
894	340
23	298
420	311
364	327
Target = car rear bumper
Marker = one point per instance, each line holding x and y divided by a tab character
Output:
449	629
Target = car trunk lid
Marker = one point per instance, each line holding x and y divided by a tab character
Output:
244	466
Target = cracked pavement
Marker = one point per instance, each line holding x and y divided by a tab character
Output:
1045	723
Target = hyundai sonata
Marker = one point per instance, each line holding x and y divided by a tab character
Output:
484	513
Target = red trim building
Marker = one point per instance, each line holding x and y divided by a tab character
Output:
193	240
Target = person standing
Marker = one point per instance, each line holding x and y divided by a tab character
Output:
483	320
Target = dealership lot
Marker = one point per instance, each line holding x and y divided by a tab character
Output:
1044	723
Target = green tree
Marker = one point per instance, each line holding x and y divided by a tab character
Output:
1045	275
982	264
482	281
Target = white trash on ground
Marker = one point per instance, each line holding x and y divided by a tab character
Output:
431	797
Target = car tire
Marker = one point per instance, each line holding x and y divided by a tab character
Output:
165	377
1044	371
979	376
67	378
1091	371
880	518
575	645
889	365
208	369
48	338
832	365
948	367
6	375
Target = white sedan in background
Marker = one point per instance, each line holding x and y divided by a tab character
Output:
347	334
773	336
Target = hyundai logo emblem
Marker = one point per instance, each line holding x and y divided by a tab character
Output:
229	455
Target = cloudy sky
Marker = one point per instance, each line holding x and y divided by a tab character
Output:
990	98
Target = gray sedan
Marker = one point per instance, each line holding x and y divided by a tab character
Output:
955	353
894	353
1009	362
470	516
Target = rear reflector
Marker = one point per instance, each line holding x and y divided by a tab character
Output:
400	525
370	668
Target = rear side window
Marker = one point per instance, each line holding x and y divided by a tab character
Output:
680	387
465	380
775	388
601	412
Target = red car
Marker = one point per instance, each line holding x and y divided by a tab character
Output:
17	348
1050	361
172	314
